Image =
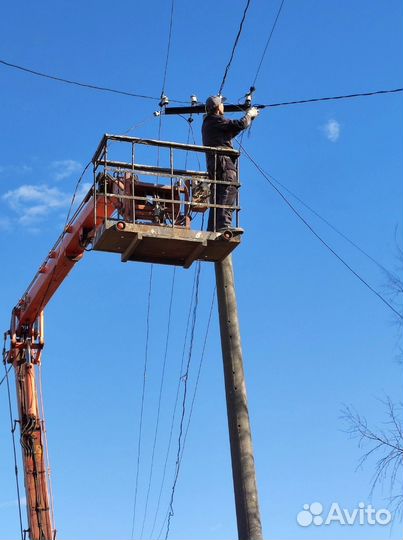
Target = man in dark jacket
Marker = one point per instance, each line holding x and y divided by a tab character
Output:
219	131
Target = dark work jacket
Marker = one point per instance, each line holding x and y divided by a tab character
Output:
219	131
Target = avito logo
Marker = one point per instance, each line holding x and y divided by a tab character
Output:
312	514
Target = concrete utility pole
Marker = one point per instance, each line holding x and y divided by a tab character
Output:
243	463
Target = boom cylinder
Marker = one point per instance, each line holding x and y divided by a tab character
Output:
31	430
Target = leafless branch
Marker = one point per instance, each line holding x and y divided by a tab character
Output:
384	445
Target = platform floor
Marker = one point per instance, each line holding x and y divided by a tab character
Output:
163	244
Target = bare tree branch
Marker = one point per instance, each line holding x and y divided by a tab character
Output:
385	445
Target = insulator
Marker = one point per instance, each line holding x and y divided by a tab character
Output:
249	96
193	100
164	101
157	113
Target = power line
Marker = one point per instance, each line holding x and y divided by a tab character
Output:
268	178
234	47
199	370
5	376
130	94
335	229
192	296
347	96
159	398
142	398
268	42
83	85
194	394
168	47
185	378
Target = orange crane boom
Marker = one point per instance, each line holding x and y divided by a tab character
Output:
26	343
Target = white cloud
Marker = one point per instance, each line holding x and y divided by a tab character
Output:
332	130
65	168
15	169
34	203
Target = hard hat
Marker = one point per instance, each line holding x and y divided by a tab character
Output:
213	102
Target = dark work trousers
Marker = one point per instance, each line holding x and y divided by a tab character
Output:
225	194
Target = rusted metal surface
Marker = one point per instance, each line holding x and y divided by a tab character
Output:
163	245
161	144
68	249
35	474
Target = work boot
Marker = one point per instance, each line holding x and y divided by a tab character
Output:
233	230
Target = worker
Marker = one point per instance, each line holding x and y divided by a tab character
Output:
219	131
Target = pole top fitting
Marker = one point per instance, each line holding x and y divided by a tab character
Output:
164	101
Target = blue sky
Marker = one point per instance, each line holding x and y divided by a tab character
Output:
314	337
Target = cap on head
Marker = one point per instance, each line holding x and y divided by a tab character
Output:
212	103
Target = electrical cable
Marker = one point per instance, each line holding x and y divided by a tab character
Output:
157	181
173	416
5	376
347	96
145	120
234	47
194	393
142	399
74	195
199	370
299	215
168	47
268	42
336	230
84	85
159	397
185	378
12	426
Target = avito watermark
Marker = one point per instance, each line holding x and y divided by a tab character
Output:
363	514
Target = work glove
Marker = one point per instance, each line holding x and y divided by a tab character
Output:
252	113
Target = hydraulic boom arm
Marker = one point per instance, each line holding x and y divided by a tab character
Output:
26	341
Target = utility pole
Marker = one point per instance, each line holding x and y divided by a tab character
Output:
243	463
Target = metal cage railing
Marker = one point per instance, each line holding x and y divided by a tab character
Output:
127	187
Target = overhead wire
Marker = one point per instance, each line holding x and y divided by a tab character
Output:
168	46
5	376
326	221
194	395
142	122
333	98
162	380
336	230
145	365
84	85
268	42
185	379
268	177
173	415
227	68
199	371
279	104
148	308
